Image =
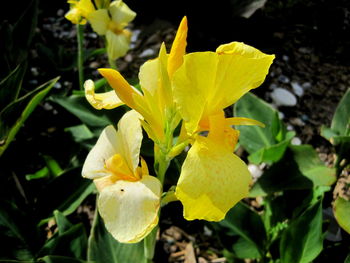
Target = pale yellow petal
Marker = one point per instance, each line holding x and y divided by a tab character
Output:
105	147
121	13
212	181
74	16
178	48
129	138
99	21
106	100
130	209
117	44
192	84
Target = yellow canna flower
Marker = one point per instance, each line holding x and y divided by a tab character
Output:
111	22
129	197
79	10
155	103
213	179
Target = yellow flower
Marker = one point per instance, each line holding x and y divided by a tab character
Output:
129	197
213	179
111	22
79	10
155	103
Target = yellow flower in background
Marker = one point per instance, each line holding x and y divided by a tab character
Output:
213	179
111	22
129	197
79	10
155	103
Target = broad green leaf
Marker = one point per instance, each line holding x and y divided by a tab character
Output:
103	248
243	222
341	118
78	106
244	249
273	153
253	138
59	259
263	144
302	241
311	166
341	209
65	192
300	168
15	114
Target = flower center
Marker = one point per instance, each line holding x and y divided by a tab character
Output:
120	169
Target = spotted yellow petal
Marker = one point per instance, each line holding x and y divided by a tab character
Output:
117	44
105	147
212	180
121	13
130	209
178	48
99	21
106	100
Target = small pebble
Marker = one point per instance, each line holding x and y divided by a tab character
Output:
296	141
283	97
285	58
306	85
34	71
147	53
273	86
57	85
298	90
283	79
255	171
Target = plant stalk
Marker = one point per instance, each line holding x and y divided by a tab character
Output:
80	62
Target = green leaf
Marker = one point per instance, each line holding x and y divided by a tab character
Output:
311	166
65	192
302	241
263	144
347	260
42	173
70	243
62	223
78	106
15	114
11	85
271	154
300	168
246	224
59	259
341	118
341	209
244	249
80	132
103	248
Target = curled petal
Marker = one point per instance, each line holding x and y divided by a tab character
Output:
212	180
107	100
130	209
243	121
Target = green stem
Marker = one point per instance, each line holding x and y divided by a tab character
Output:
149	244
80	40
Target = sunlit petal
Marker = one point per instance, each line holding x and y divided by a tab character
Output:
178	48
106	100
212	180
130	209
